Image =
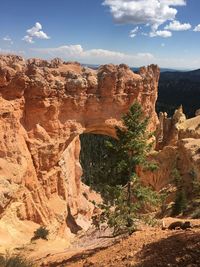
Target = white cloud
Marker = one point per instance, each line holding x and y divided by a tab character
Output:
174	2
177	26
132	35
148	12
133	32
11	52
145	55
34	29
164	34
7	39
102	56
35	32
197	28
96	56
28	39
63	51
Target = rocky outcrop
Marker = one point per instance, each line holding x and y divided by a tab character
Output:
169	128
178	147
44	107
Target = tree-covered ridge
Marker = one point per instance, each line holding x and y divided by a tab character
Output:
179	88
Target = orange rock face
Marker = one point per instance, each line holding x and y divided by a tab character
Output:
178	147
44	107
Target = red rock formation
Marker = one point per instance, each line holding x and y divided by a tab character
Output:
178	145
44	107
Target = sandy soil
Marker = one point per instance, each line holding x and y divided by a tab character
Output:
149	247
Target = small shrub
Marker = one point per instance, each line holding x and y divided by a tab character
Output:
163	201
9	260
150	220
196	214
176	178
41	232
152	167
180	203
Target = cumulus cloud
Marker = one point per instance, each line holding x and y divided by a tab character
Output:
151	13
197	28
177	26
164	34
97	56
35	33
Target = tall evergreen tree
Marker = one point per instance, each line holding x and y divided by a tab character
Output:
124	192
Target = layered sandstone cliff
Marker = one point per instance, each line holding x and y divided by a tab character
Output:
44	107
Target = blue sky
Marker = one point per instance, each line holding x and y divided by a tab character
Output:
136	32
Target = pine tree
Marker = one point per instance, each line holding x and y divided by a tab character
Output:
180	203
124	193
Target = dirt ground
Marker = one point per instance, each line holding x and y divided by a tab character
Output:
149	247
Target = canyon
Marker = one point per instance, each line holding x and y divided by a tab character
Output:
44	107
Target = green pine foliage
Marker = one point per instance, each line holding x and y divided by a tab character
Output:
180	203
176	178
123	193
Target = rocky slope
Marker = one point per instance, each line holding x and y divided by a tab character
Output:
148	247
44	107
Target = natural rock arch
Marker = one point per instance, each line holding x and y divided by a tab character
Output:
44	107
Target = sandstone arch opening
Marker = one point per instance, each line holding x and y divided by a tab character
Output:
93	157
80	165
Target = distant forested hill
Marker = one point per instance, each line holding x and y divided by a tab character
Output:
176	88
